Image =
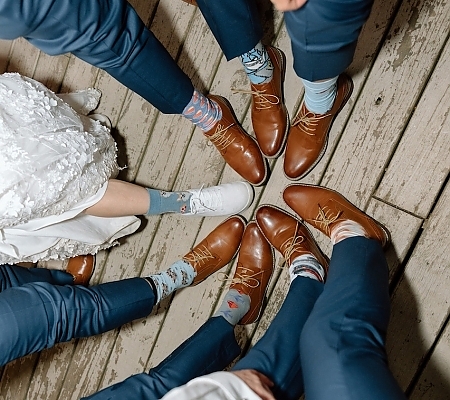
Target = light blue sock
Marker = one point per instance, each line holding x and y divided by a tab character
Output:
179	275
319	96
234	306
162	202
202	112
257	64
307	266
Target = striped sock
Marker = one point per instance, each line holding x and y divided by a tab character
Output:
319	96
346	229
307	265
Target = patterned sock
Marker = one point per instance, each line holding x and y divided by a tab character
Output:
202	112
234	306
307	265
319	96
346	229
179	275
162	202
257	64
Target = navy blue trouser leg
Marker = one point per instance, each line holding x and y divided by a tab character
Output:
277	354
13	275
235	24
35	316
110	35
107	34
324	34
343	341
210	349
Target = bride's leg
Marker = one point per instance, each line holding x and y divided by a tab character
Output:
126	199
121	199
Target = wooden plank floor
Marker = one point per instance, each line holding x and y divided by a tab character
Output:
389	153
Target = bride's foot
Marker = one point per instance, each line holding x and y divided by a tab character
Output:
215	201
102	118
82	101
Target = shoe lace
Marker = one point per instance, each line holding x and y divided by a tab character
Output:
198	256
292	245
220	138
242	277
308	121
325	218
205	199
263	100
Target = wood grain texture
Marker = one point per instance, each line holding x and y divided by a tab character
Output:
387	152
420	303
405	61
434	383
421	162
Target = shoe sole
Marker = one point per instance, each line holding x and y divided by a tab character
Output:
324	148
288	124
94	265
299	220
379	224
251	193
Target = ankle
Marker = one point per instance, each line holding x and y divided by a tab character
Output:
179	275
307	266
320	95
234	306
257	64
162	202
346	229
202	112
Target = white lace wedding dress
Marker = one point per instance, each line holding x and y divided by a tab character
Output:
54	163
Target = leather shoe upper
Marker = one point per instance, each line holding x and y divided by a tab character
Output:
269	114
253	271
308	136
324	209
217	249
81	268
239	149
288	235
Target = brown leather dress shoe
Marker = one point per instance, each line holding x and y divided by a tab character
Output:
270	118
325	209
239	149
288	235
191	2
217	249
81	268
253	271
308	136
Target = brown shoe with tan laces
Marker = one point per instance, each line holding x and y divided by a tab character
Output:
332	214
253	271
239	150
308	136
288	235
217	249
81	268
270	118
